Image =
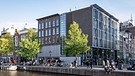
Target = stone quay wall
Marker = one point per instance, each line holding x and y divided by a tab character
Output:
76	71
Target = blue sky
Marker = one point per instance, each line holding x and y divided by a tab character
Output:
19	12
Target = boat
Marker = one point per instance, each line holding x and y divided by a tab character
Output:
8	66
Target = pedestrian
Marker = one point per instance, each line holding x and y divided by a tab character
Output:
87	64
113	65
91	64
15	62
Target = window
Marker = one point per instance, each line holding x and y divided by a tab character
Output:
26	35
57	22
101	43
57	30
49	24
46	41
46	25
16	40
100	25
96	42
42	40
96	32
39	33
42	32
53	31
105	20
39	26
46	32
49	32
96	14
49	40
42	25
53	39
96	23
100	17
53	22
39	40
57	39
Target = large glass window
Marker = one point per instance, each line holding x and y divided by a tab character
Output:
101	17
96	23
96	14
105	20
63	25
101	43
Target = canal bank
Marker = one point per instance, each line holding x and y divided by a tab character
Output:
77	71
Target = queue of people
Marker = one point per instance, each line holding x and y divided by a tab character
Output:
10	61
109	65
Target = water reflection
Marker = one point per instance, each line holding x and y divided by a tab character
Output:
26	73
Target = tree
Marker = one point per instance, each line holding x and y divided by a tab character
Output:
10	39
30	46
76	42
6	44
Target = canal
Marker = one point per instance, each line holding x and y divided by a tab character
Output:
28	73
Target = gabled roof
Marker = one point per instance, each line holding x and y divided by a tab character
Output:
129	29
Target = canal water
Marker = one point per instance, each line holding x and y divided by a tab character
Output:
28	73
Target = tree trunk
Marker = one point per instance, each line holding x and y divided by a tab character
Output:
76	61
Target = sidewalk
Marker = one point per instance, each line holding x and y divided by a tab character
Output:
95	67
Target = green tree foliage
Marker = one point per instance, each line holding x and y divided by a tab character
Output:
30	46
76	42
10	39
6	44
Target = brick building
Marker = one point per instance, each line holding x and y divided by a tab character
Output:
102	29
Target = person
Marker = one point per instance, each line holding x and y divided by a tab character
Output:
15	62
107	66
87	64
91	64
103	64
133	66
75	63
113	65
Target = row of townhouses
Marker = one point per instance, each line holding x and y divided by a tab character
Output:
107	38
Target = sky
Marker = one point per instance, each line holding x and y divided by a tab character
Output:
20	12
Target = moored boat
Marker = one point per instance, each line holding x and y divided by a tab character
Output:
7	66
